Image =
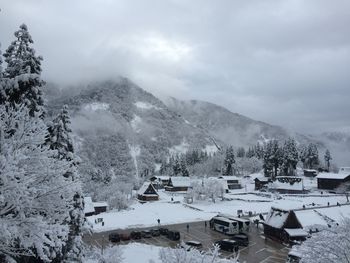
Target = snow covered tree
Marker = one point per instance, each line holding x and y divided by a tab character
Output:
59	137
184	170
241	152
312	160
34	194
272	158
229	161
327	159
289	157
23	73
303	154
176	166
330	245
185	254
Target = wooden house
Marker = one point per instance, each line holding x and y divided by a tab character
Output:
283	225
178	184
233	182
147	192
330	181
94	208
287	185
159	181
261	182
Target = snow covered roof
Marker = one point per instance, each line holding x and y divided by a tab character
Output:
144	188
339	176
335	213
262	179
296	232
162	177
100	204
179	181
310	170
287	183
88	205
276	217
225	177
309	218
345	170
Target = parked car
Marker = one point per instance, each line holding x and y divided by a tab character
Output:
124	237
228	245
135	235
146	234
114	237
194	244
155	232
241	239
174	235
163	231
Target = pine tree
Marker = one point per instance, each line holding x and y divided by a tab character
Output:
229	161
184	170
59	139
59	135
327	159
312	159
303	154
23	73
176	166
290	157
241	152
272	158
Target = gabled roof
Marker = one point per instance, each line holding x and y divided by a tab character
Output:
179	181
145	187
308	218
88	205
296	232
339	176
277	218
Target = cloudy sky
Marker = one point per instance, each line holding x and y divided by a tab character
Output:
284	62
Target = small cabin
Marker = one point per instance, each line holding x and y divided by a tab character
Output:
147	192
233	182
287	185
178	184
94	208
261	182
331	181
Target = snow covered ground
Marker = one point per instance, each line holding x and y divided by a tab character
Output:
146	215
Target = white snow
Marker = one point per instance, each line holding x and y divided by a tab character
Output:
135	123
210	149
140	253
135	151
145	105
296	232
157	167
308	218
181	148
339	176
96	106
88	205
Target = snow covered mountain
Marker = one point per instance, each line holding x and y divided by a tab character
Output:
120	126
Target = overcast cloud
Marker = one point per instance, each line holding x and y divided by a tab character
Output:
284	62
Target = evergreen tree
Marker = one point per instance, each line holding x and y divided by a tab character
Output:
312	160
23	73
272	158
59	139
184	170
290	157
250	153
303	154
59	135
241	152
327	159
229	161
176	166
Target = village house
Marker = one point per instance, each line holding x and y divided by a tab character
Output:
160	181
330	181
261	182
94	208
147	192
178	184
310	172
233	182
287	185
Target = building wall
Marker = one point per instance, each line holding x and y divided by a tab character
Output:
330	184
148	198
